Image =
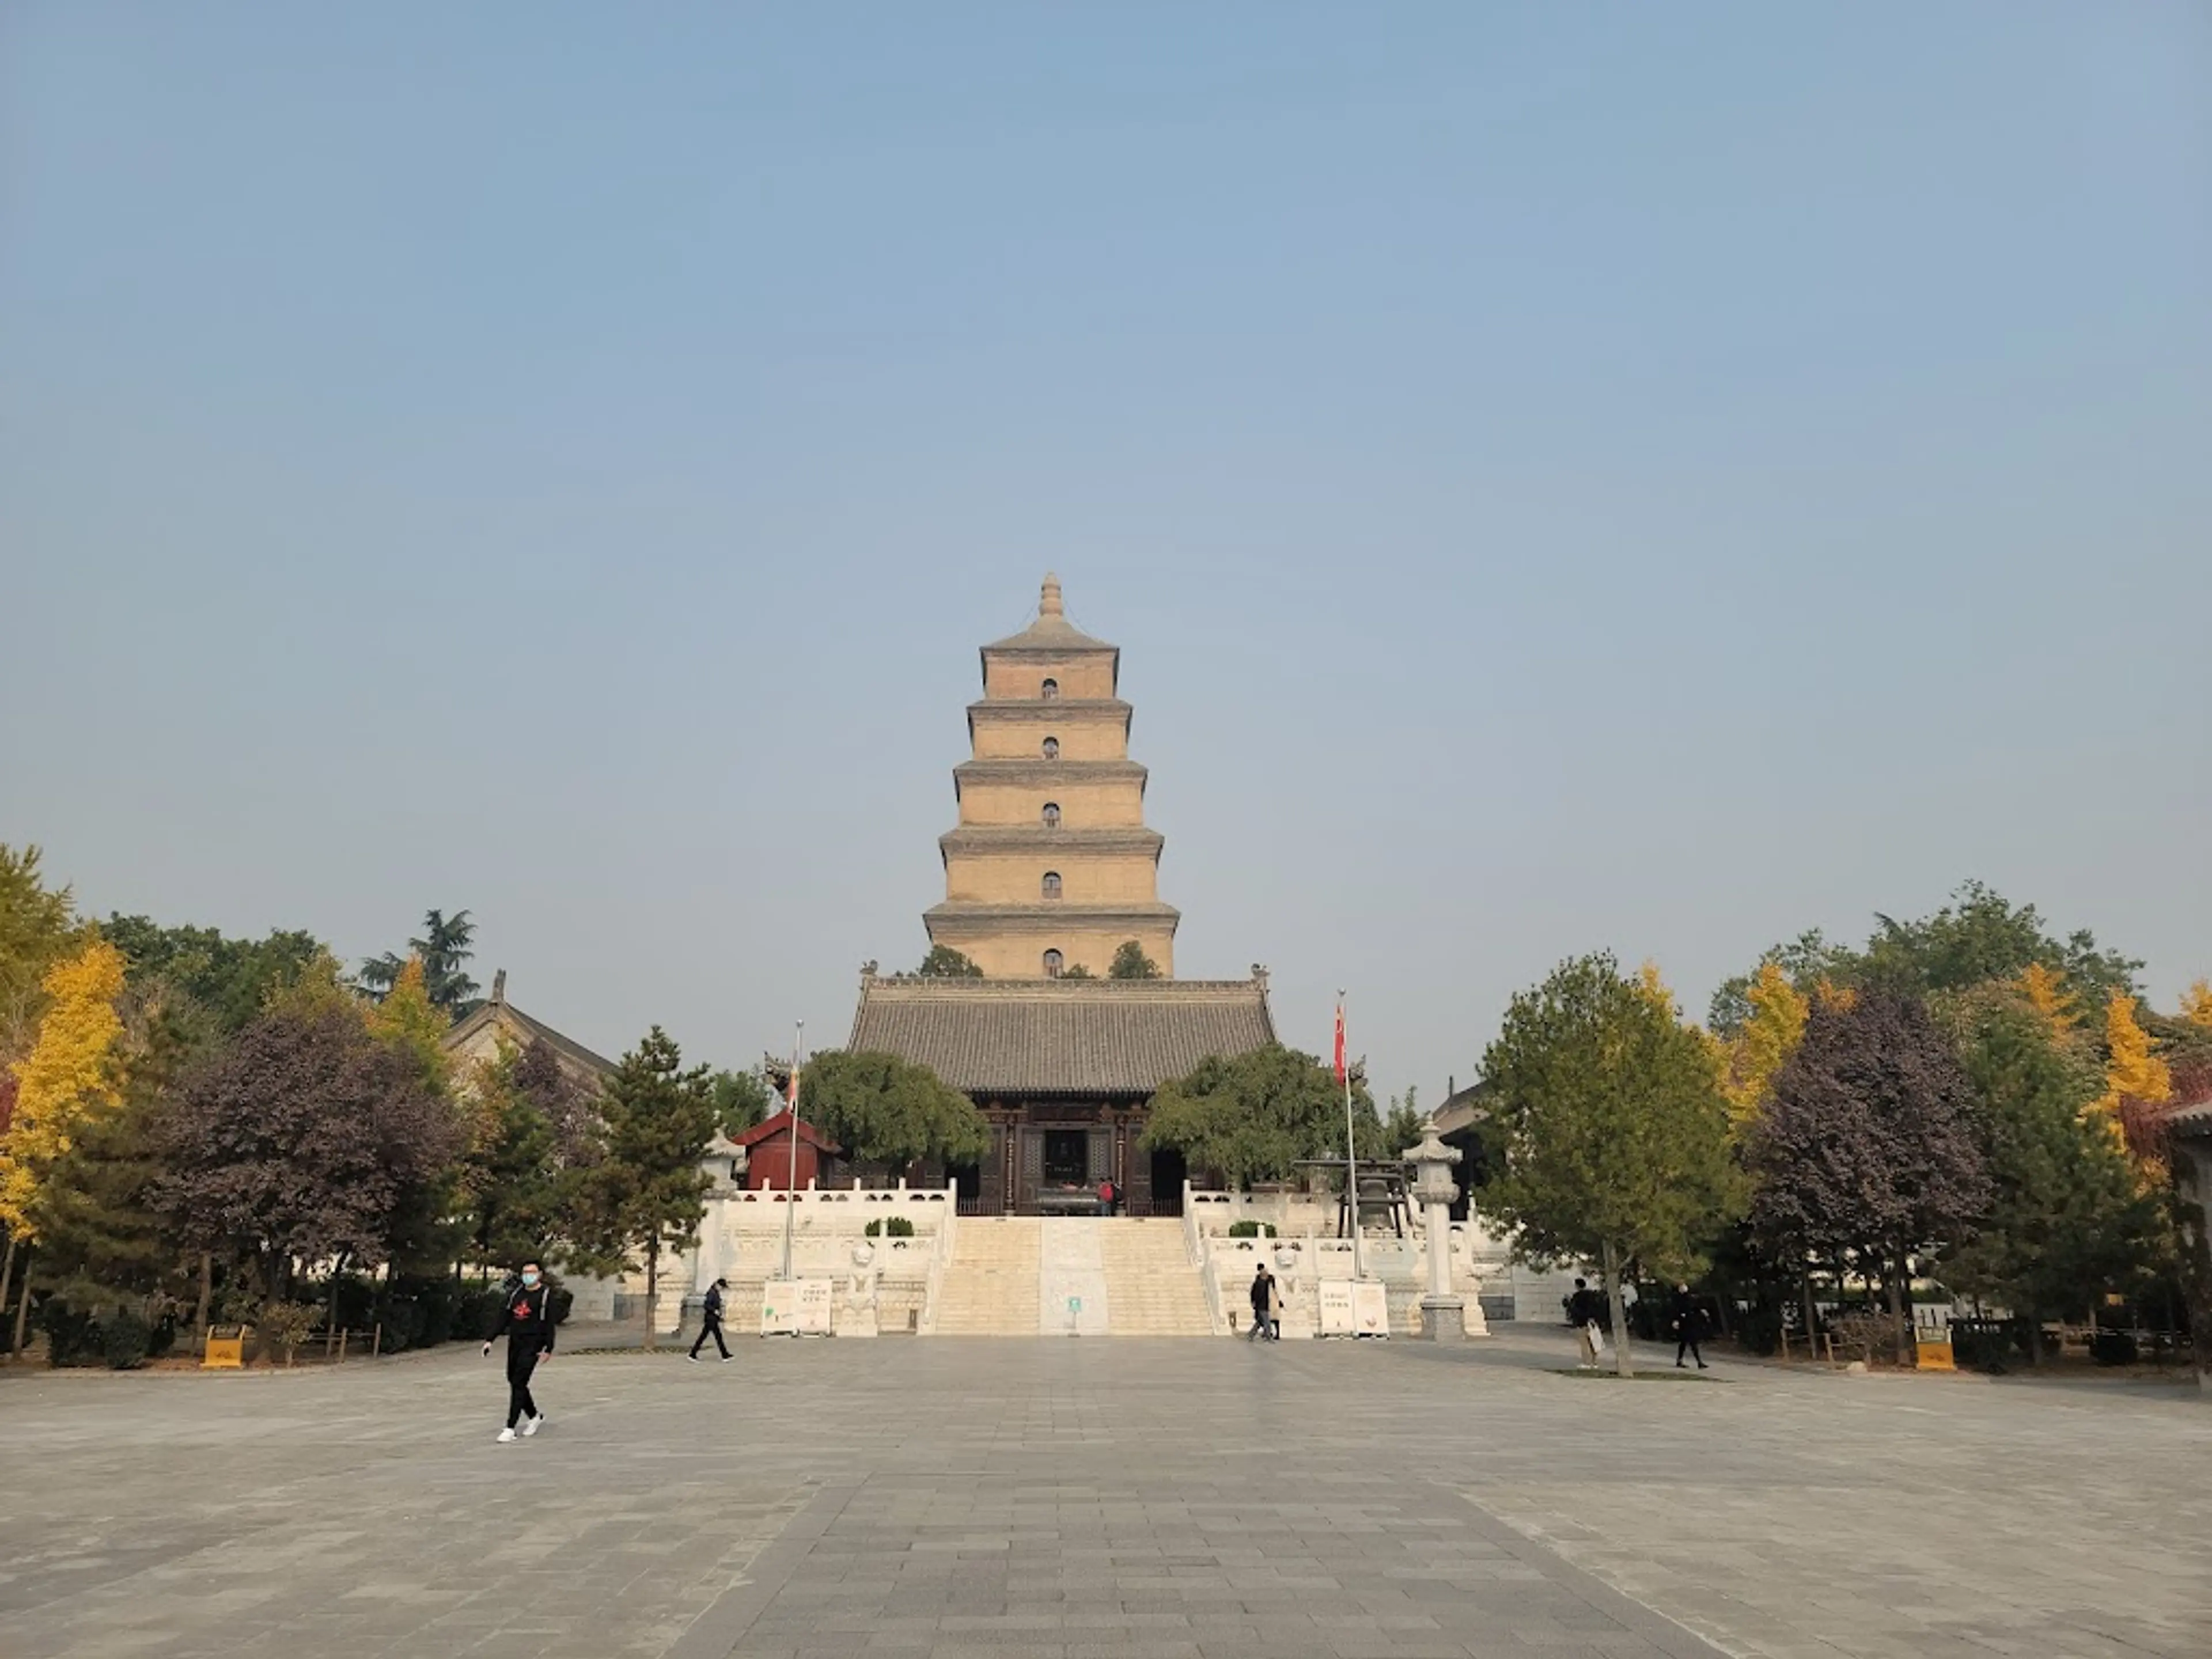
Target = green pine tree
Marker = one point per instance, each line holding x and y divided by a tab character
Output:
643	1195
2067	1220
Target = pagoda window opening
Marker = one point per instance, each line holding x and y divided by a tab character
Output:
1049	690
1052	748
1052	962
1051	815
1052	884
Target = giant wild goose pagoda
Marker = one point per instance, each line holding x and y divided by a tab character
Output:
1050	871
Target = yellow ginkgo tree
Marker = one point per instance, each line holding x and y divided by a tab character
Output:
2196	1004
2046	992
2134	1075
67	1077
1765	1044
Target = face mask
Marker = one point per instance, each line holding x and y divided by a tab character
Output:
530	1279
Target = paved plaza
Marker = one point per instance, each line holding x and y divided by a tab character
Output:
1129	1499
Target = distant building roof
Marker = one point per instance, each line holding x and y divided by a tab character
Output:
2192	1119
1099	1036
522	1029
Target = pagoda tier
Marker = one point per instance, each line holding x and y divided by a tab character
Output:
1051	867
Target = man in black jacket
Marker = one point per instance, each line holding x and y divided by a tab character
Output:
526	1320
1586	1313
1263	1287
712	1325
1689	1318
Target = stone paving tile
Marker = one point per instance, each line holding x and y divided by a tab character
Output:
1123	1499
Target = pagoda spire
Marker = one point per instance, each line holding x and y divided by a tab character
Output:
1048	602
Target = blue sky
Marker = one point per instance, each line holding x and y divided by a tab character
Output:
1649	477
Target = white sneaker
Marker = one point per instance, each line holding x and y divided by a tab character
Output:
505	1435
726	1359
531	1424
693	1358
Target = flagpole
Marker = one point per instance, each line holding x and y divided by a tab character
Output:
1351	1151
791	1180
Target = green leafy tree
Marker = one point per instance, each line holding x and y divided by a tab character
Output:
1254	1116
38	927
446	946
645	1194
1077	970
1130	961
212	986
2067	1220
1979	936
888	1111
743	1100
943	962
1608	1132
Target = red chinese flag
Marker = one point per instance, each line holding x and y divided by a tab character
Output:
1340	1045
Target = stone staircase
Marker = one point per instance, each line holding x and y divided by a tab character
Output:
1151	1289
1071	1275
991	1285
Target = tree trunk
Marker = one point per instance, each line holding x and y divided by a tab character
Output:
1895	1273
330	1312
1812	1316
1610	1268
7	1283
22	1305
206	1300
652	1291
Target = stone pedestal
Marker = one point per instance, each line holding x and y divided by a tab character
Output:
1443	1318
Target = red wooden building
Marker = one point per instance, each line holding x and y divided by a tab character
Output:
768	1156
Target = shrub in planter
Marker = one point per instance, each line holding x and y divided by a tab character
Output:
891	1226
355	1310
282	1327
1251	1229
476	1313
2113	1347
437	1304
1866	1335
402	1319
1758	1330
72	1337
126	1340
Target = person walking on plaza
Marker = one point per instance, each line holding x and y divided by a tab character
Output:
1274	1308
1263	1299
1107	1195
526	1321
1688	1317
711	1317
1586	1312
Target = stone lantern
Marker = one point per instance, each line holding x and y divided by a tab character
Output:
1444	1315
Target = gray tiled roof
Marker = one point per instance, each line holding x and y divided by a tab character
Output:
1001	1037
597	1065
2192	1120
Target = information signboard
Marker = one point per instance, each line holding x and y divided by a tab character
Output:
1336	1317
